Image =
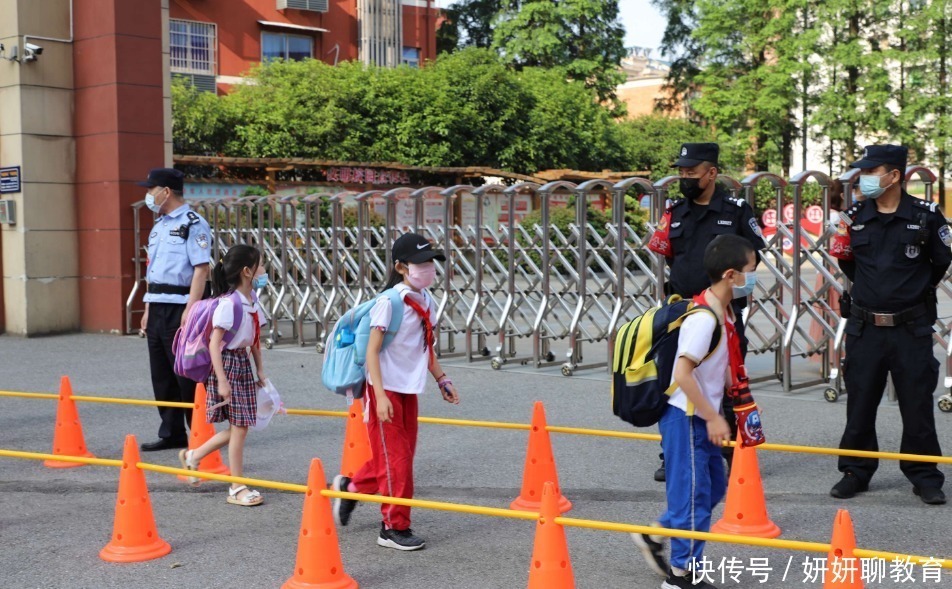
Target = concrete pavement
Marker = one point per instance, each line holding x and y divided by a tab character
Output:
54	522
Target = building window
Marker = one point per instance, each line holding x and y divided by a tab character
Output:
284	46
193	46
411	56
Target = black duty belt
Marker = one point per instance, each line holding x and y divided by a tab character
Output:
889	319
169	289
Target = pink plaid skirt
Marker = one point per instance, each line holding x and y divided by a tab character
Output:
242	408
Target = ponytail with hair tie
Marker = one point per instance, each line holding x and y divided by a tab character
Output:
226	275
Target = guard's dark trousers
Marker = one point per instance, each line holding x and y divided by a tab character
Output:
164	320
905	351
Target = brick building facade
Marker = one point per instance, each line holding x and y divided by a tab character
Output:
85	118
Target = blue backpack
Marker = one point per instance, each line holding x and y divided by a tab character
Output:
346	349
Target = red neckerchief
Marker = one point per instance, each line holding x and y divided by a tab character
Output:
736	358
257	341
428	338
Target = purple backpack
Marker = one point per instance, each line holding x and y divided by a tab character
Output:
193	358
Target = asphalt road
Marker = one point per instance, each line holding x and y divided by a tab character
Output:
54	522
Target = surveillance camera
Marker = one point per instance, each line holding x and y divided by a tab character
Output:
31	52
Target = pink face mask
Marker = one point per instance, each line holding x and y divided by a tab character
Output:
421	275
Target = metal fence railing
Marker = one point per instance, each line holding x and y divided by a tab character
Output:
513	291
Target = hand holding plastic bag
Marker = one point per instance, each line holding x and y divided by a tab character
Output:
269	403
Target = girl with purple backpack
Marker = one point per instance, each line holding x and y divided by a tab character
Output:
231	387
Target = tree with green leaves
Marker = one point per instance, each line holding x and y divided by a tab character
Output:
201	121
923	51
841	72
464	109
745	90
584	37
470	22
684	51
566	115
652	142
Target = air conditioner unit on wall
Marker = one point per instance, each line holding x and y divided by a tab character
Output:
203	83
312	5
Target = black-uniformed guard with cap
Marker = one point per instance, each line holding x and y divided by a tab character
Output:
690	224
179	255
896	251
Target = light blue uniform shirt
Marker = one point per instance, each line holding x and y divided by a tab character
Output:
172	256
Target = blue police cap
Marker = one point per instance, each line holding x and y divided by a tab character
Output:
165	177
694	153
877	155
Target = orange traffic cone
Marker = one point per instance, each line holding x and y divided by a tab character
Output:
356	441
318	565
745	512
843	570
68	433
551	567
134	536
199	433
540	467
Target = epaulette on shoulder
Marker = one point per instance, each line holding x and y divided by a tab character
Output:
673	204
855	209
193	217
737	201
925	204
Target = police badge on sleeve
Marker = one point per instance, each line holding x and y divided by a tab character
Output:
945	234
202	240
755	228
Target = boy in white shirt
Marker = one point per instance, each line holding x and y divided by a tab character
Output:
692	427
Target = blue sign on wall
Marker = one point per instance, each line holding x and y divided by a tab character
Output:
10	180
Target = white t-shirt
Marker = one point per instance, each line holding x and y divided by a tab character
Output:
694	341
404	364
225	315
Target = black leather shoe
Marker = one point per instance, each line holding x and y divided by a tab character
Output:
659	474
163	444
930	495
848	487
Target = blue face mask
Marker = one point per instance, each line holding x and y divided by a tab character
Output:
151	204
750	283
870	188
259	282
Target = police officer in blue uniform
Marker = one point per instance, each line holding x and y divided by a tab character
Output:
179	255
897	253
706	211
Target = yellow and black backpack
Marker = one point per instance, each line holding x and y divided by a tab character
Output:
643	360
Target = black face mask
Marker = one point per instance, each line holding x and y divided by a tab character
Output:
691	188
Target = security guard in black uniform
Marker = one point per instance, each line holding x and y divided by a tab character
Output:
690	224
179	254
898	252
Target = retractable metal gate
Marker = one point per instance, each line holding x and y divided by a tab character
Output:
530	287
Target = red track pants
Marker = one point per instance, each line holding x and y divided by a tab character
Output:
390	471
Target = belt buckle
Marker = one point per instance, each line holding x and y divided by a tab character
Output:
884	319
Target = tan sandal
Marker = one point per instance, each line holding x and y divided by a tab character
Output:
250	499
185	457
